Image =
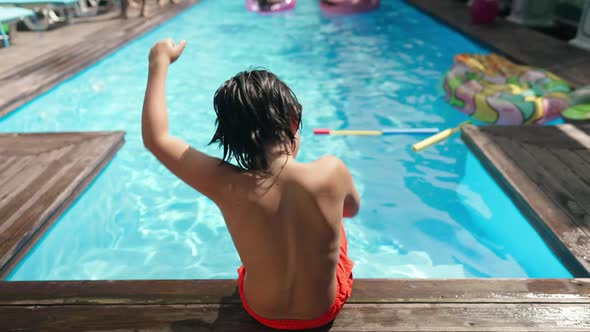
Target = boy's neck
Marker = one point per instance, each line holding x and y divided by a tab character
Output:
277	158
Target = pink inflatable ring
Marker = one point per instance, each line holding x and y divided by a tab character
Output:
254	6
348	6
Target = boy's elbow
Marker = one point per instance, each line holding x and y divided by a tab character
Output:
349	213
155	144
351	207
148	142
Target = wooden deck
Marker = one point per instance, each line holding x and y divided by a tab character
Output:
40	175
376	305
40	61
546	172
514	41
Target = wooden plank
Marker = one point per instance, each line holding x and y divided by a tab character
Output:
62	165
57	212
36	143
529	150
574	161
353	317
574	193
28	217
17	183
6	162
33	176
555	137
14	167
135	292
561	233
552	178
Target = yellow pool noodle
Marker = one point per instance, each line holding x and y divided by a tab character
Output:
437	137
357	132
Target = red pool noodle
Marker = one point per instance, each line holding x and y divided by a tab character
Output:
321	131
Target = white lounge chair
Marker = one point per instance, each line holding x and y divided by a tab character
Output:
10	16
48	11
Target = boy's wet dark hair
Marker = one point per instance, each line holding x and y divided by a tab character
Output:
255	111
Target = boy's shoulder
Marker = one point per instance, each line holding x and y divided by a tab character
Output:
326	171
329	163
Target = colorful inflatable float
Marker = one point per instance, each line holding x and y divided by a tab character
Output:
493	90
344	7
268	7
579	110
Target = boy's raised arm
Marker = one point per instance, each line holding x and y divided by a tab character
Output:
154	122
202	172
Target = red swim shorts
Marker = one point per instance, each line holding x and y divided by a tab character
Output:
343	291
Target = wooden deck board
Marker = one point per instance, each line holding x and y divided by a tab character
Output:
376	305
45	173
540	169
364	317
519	43
135	292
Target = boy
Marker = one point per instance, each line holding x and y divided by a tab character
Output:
284	217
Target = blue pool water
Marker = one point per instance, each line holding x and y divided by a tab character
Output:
427	215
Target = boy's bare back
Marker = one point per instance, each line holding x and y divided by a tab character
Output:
286	228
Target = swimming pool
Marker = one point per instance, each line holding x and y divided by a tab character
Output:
428	215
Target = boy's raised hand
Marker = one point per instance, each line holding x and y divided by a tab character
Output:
166	50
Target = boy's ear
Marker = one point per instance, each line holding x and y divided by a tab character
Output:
294	128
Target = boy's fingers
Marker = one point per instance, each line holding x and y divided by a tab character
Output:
180	46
